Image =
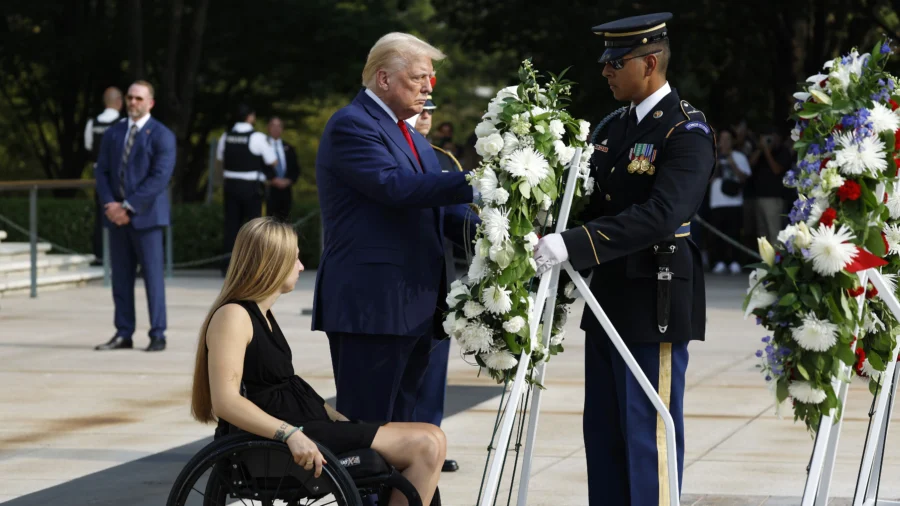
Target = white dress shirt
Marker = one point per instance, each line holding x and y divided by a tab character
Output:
384	106
258	143
106	116
140	124
650	102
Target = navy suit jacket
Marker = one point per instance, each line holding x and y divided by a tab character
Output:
150	166
382	269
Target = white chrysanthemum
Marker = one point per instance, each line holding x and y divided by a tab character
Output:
487	183
563	153
870	371
893	202
500	196
490	146
454	324
588	186
872	323
472	309
510	144
883	119
484	129
891	281
456	289
831	250
558	338
499	360
815	334
546	203
496	299
515	324
557	128
892	234
857	158
569	290
477	269
584	130
528	164
496	224
831	179
476	337
803	391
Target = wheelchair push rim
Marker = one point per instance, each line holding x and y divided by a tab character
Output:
248	470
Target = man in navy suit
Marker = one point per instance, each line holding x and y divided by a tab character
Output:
136	160
381	284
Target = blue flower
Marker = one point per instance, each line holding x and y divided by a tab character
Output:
789	245
770	349
814	149
768	378
890	84
805	252
769	315
784	352
801	210
829	143
885	49
790	179
768	338
758	320
806	183
759	353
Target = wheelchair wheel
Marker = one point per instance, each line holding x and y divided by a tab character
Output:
244	469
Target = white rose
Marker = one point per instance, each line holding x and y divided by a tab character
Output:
485	128
508	92
510	144
500	196
563	152
557	128
514	324
585	130
455	292
491	146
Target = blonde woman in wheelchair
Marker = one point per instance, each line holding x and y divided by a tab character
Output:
241	345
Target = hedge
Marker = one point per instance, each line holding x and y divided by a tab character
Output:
196	227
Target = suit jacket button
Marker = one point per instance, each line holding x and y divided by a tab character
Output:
608	198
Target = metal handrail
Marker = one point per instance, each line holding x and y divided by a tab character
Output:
59	184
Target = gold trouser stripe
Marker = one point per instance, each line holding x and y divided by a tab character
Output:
665	393
592	243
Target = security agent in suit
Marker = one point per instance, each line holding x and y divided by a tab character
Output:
430	408
93	136
135	164
247	159
651	162
285	173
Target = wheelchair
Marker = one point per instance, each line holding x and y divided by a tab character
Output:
245	469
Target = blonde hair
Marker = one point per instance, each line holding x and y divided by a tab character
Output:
263	257
394	52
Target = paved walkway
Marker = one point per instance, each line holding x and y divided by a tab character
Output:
67	412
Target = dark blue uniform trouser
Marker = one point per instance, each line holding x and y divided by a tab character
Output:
624	437
129	246
378	377
430	408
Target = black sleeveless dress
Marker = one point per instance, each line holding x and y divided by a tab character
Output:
271	384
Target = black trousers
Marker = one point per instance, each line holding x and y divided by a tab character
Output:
243	202
728	221
278	204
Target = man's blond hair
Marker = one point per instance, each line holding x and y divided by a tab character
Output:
394	52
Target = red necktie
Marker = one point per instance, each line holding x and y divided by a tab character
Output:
403	128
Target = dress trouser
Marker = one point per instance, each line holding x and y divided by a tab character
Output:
624	437
278	203
128	247
243	202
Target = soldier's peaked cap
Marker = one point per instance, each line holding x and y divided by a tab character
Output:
625	35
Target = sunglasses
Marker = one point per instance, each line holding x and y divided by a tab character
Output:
619	63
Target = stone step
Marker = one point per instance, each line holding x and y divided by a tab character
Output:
46	264
21	283
18	251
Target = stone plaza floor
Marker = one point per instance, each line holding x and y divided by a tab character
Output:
84	427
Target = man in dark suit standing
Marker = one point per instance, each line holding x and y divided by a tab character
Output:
286	173
135	164
381	285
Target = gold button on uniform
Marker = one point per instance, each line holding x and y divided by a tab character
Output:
608	198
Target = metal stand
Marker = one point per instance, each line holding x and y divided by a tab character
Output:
821	468
509	414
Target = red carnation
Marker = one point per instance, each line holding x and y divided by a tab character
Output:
853	341
849	190
855	292
887	246
860	358
897	140
871	291
894	105
828	217
885	199
839	127
822	164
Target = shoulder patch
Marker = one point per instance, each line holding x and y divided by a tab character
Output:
697	124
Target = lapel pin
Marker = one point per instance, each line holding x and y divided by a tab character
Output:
657	114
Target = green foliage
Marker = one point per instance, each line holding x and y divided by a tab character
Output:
196	228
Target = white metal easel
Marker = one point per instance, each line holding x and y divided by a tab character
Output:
544	304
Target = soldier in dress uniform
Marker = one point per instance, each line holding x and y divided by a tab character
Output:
93	134
651	162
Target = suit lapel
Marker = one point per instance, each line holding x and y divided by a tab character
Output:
390	128
649	123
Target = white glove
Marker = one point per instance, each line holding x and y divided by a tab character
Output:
550	251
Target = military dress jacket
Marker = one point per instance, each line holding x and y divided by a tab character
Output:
649	182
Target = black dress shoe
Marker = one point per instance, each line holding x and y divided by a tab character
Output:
450	466
156	344
116	343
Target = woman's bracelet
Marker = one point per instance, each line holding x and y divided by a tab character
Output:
291	433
